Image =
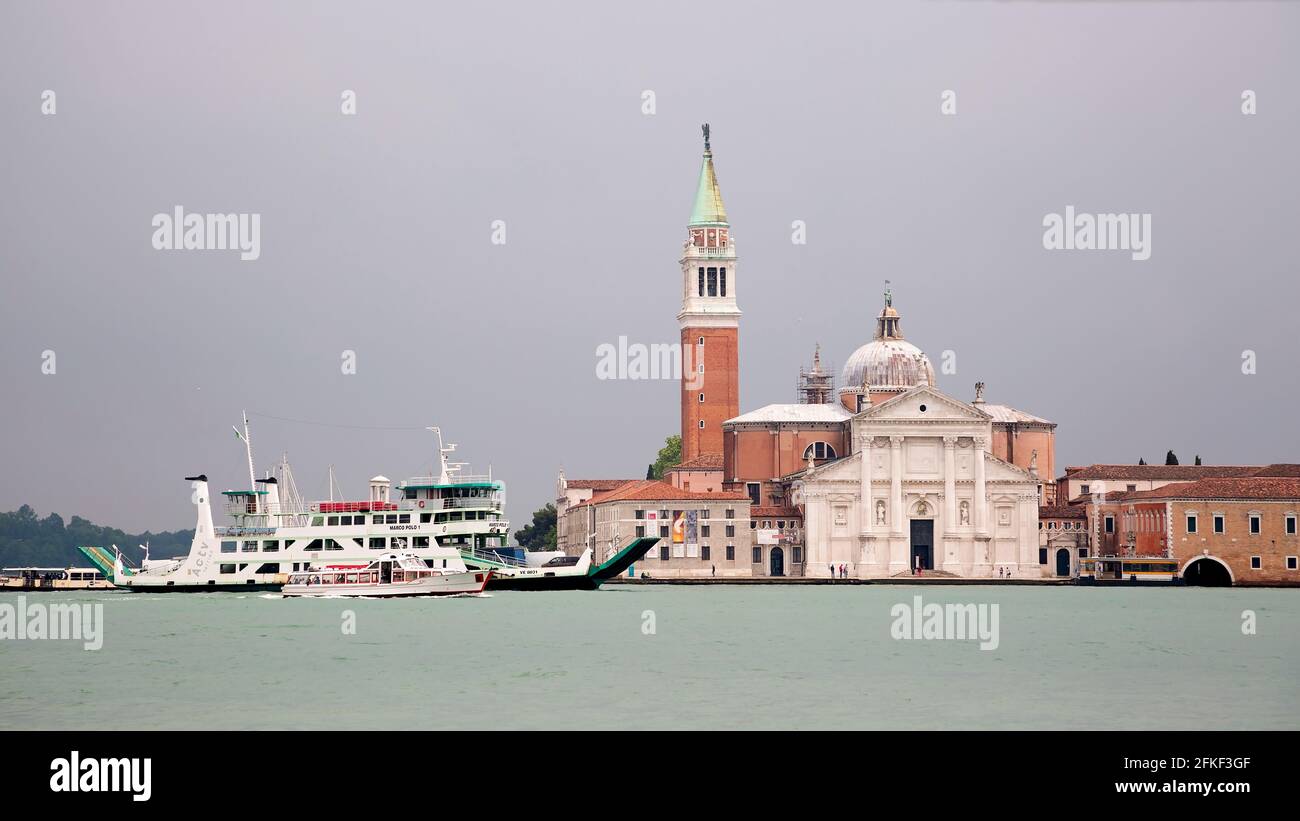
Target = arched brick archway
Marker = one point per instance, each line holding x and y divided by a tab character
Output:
1207	571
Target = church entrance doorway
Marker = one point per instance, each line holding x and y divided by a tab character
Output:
778	562
922	544
1062	562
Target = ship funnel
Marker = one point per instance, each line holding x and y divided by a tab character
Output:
272	488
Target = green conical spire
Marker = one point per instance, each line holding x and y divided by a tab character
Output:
708	208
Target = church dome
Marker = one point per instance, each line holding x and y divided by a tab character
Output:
889	362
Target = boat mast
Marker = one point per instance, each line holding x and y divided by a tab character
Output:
446	468
290	499
248	446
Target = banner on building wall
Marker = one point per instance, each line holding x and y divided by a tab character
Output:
767	536
679	528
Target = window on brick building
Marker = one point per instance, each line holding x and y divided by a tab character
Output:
1218	523
1290	525
704	552
704	530
1110	524
701	343
663	531
1254	524
752	488
1291	563
701	424
731	531
756	555
640	531
1256	562
819	450
1191	522
1084	489
731	513
731	552
701	397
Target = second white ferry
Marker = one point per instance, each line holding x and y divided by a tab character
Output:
274	533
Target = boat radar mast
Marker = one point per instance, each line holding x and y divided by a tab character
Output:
248	446
446	468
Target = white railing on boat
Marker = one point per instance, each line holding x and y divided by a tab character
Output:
458	479
489	555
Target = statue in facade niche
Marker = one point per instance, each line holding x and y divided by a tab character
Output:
880	511
965	513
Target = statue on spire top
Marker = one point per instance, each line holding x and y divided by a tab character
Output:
705	129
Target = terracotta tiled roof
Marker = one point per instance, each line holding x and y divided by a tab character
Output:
705	461
774	512
1184	473
1063	512
596	484
652	490
1257	487
1288	470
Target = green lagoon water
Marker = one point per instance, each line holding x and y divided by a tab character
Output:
811	657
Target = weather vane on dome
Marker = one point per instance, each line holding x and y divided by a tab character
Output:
889	297
705	128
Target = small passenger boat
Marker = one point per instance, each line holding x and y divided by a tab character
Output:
391	575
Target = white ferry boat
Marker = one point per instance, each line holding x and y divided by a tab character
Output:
394	575
275	534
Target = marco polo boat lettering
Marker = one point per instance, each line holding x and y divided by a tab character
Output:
179	231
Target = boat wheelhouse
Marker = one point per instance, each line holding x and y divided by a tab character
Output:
274	533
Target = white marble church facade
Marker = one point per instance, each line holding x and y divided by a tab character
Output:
922	487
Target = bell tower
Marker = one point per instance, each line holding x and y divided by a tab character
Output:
709	319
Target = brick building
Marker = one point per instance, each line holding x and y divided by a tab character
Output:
702	534
1238	530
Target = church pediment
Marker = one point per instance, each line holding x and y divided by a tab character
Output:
923	403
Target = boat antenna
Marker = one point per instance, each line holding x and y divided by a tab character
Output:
145	548
333	484
446	468
248	446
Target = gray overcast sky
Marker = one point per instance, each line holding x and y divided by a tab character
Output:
376	228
